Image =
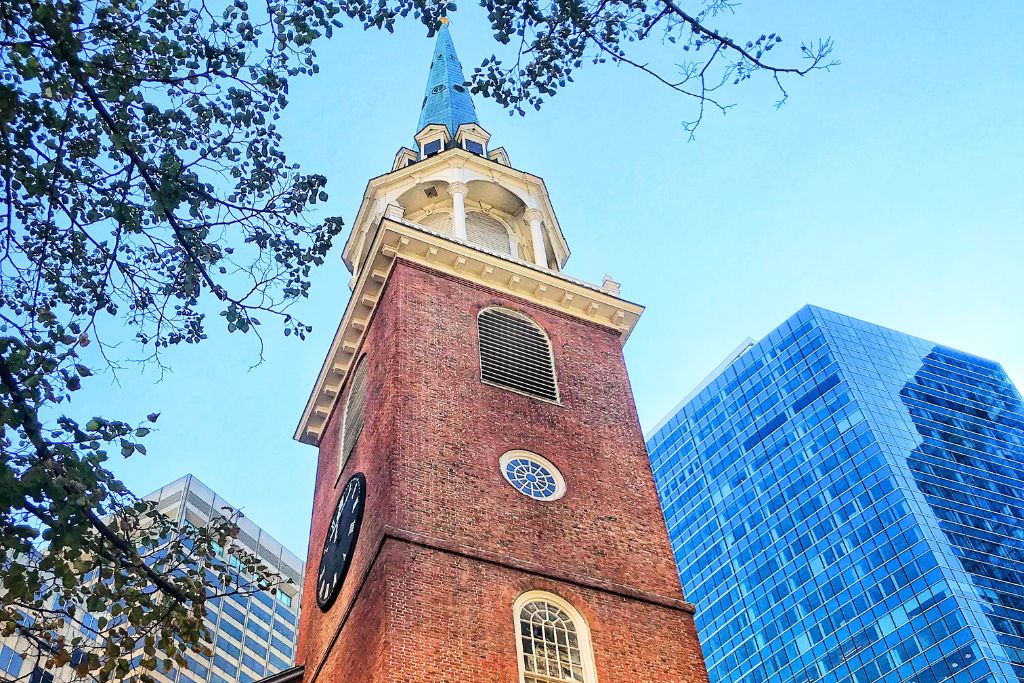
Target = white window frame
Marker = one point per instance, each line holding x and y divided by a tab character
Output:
405	157
6	664
430	133
474	132
578	622
466	139
499	156
423	146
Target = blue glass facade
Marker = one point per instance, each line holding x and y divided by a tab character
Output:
846	503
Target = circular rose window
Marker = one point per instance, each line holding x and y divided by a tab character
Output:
532	475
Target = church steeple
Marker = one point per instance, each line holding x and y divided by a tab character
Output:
446	101
484	509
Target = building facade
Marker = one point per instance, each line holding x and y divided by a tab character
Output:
484	509
846	504
252	636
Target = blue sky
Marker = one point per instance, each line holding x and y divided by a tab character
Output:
891	189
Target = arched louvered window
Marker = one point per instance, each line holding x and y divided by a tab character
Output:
438	222
488	232
516	354
553	641
352	419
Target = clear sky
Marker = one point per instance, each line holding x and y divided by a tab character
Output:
891	189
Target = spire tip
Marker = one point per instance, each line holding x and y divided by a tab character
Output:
446	101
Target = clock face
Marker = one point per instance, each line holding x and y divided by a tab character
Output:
341	541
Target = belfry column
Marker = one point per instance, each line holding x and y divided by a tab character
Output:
458	192
537	236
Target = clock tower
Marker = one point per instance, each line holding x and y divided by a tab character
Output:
484	507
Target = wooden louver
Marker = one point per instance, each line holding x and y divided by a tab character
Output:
353	419
488	232
438	222
515	354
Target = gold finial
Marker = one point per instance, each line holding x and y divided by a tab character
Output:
444	20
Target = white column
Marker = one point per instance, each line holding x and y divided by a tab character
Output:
537	236
458	192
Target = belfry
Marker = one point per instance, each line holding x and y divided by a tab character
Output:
484	508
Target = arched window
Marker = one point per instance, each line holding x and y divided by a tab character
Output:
352	419
488	232
553	641
438	222
516	354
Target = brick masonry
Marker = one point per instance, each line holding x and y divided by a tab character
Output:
447	545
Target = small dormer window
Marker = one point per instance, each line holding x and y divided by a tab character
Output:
405	157
432	147
499	156
472	138
432	140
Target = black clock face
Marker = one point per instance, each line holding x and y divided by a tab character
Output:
341	541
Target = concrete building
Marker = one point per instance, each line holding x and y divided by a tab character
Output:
846	505
253	636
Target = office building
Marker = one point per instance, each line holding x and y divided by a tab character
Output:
846	504
252	635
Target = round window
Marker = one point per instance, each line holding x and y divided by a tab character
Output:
532	475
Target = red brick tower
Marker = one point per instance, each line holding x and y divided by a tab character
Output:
484	507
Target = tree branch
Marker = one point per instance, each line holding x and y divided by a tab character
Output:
33	431
700	29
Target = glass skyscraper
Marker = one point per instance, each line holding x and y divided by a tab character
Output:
846	504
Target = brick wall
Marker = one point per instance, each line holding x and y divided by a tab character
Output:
462	541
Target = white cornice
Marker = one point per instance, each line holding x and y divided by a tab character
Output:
399	239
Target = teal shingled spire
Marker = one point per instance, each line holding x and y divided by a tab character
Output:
447	101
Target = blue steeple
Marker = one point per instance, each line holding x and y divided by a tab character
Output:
447	101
